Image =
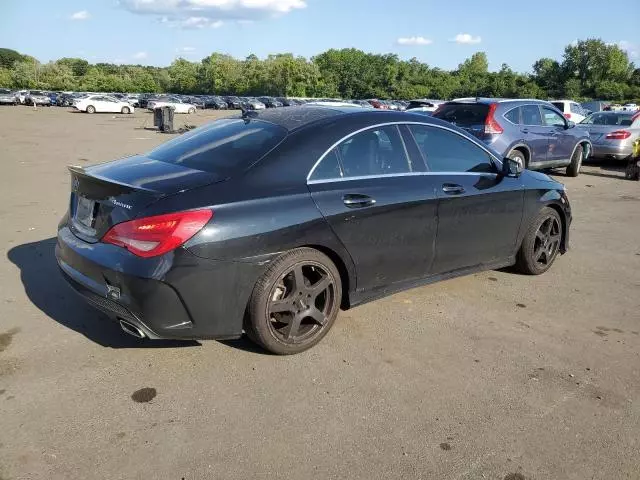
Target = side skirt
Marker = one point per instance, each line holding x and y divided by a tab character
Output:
359	298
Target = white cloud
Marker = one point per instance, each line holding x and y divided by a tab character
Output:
139	55
210	13
414	41
186	51
81	15
632	49
466	39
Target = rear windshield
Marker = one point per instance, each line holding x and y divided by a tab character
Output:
608	119
464	114
558	105
223	147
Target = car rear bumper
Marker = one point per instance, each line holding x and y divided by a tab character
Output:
174	296
619	151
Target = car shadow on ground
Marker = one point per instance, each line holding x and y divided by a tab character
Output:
616	168
47	290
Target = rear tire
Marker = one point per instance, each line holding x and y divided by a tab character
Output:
295	302
519	157
91	109
541	243
573	170
125	110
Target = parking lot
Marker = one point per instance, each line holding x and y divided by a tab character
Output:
491	376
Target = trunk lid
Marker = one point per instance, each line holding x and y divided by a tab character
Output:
115	192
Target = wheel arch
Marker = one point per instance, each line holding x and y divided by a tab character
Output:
347	278
524	148
565	226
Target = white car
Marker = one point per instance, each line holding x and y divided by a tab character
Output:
571	110
630	107
102	104
178	105
424	105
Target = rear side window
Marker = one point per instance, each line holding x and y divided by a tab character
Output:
463	114
329	167
513	115
558	105
445	151
531	115
575	108
222	147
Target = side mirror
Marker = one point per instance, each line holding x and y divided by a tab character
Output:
570	124
511	168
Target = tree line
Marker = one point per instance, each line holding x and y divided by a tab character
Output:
588	69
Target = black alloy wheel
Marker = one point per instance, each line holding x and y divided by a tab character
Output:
295	303
541	244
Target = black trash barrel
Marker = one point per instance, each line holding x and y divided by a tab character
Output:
167	119
157	117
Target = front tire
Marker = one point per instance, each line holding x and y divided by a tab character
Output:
541	243
192	110
91	109
295	302
573	170
125	110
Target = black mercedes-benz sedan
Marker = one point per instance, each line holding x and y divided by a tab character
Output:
269	224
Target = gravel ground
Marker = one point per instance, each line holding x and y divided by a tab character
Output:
491	376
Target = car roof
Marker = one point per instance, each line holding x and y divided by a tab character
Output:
296	118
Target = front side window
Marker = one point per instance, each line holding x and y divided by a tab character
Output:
378	151
531	115
445	151
552	118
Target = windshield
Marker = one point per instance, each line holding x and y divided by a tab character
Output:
608	119
464	114
222	147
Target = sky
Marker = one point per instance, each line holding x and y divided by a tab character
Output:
441	33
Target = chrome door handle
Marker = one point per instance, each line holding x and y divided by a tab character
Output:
357	200
452	189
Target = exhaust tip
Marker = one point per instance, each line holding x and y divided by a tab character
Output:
131	329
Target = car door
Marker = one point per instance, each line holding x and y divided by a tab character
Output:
534	133
380	204
479	210
561	142
97	102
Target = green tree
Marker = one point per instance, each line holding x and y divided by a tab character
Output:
9	57
78	66
56	76
184	76
24	74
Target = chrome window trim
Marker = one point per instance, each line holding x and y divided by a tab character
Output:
388	175
492	157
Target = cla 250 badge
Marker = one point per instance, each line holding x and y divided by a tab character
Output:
120	204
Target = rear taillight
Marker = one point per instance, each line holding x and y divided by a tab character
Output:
153	236
567	116
618	135
491	126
